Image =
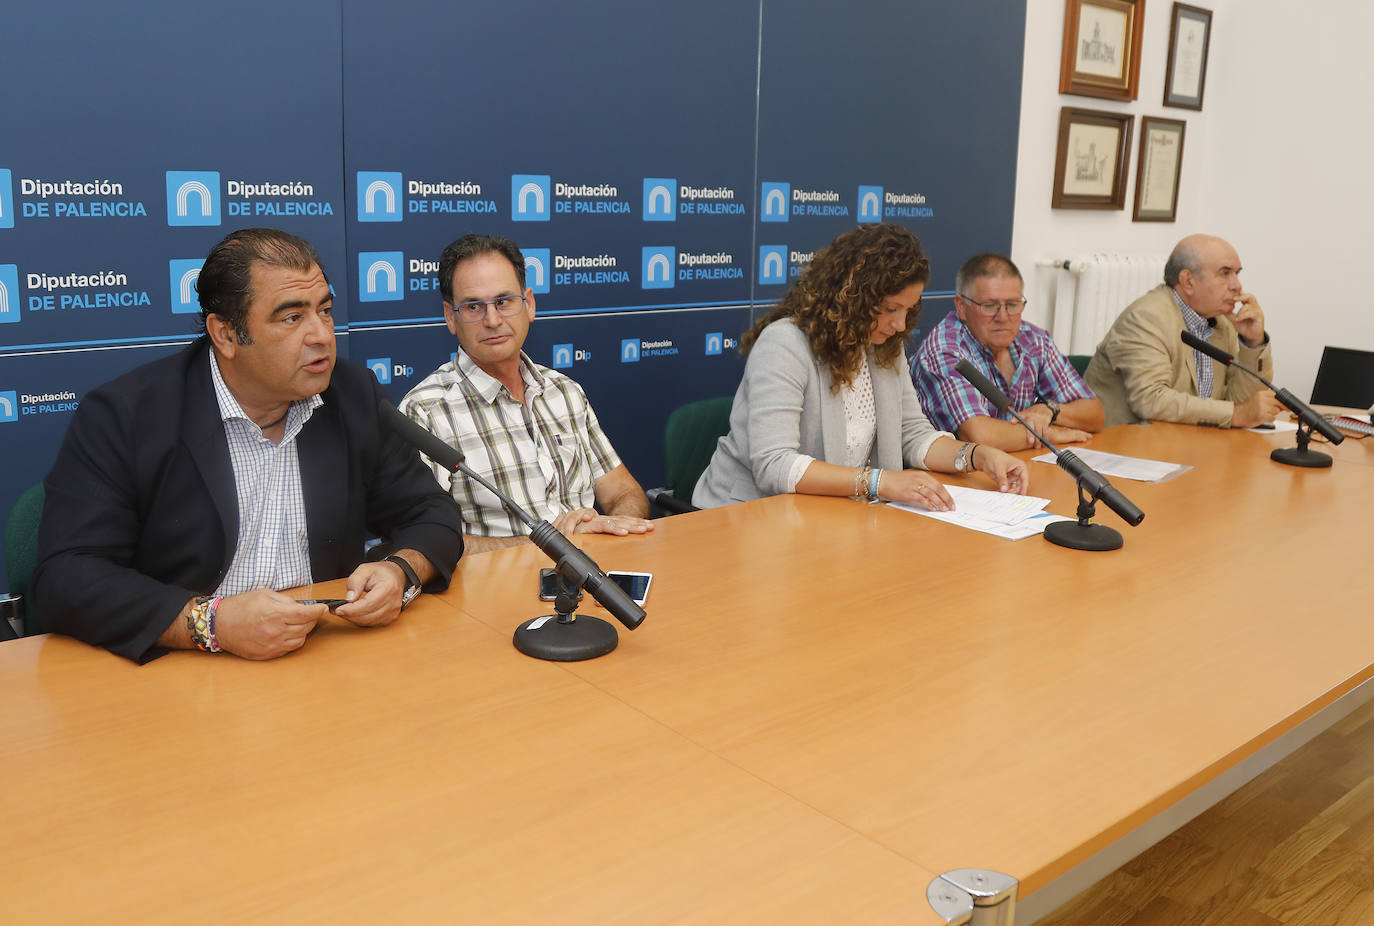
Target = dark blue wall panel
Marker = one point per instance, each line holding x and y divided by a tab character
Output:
136	137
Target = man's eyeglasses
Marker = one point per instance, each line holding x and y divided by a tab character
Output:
990	309
473	312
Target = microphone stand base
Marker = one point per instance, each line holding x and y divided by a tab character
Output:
1077	535
558	640
1300	456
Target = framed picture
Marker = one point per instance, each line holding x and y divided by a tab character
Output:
1101	55
1157	169
1090	166
1190	33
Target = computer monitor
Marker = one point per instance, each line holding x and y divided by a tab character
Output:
1345	378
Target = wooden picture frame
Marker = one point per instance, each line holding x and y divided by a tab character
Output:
1101	53
1157	169
1091	160
1190	37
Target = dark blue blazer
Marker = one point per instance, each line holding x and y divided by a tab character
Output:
141	512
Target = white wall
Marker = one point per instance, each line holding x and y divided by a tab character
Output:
1277	162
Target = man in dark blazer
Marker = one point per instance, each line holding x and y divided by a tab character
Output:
190	490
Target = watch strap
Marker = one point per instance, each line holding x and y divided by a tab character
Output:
412	580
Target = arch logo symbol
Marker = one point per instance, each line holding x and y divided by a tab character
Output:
381	368
772	264
381	276
562	356
193	197
184	274
9	293
715	343
379	196
6	199
657	268
529	197
870	204
773	201
537	262
9	405
660	205
629	350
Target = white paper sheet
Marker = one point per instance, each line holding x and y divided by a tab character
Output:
1113	464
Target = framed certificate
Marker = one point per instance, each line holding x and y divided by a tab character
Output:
1101	53
1190	34
1157	169
1090	163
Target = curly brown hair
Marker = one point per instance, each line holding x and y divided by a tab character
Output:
835	303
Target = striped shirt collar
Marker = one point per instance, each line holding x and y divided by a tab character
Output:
488	387
229	409
1194	322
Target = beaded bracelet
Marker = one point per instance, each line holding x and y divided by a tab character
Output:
200	620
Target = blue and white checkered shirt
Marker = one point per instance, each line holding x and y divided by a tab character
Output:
274	543
1197	326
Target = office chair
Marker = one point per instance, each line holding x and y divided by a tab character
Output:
21	551
1080	362
689	438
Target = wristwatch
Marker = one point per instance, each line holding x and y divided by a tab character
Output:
412	580
1054	408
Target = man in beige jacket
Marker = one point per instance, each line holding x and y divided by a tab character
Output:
1143	371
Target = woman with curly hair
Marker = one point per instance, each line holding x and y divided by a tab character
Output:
826	406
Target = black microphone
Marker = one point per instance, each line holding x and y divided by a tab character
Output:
1089	479
1294	404
573	564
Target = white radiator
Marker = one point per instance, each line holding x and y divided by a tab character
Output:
1090	291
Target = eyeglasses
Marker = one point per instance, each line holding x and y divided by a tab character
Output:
473	312
990	309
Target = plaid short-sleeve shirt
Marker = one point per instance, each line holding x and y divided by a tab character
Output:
546	452
1042	372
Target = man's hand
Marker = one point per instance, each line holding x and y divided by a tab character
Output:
1249	322
915	486
374	595
1057	434
1259	408
1038	417
264	624
587	521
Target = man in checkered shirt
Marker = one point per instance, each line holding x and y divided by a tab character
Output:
1022	359
527	428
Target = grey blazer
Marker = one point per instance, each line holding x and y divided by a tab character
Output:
784	407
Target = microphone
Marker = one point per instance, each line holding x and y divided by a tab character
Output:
575	566
1082	535
1294	404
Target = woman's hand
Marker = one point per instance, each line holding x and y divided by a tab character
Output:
1010	474
917	487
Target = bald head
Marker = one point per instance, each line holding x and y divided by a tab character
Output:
1191	254
1205	271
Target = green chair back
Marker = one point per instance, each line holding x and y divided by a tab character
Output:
1080	362
689	439
21	550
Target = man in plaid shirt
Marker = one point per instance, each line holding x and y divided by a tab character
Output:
527	428
986	328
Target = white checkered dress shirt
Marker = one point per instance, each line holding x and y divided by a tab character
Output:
1197	326
545	453
274	545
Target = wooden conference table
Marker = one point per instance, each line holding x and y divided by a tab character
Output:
828	705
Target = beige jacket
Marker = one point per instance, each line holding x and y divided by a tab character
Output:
1142	370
